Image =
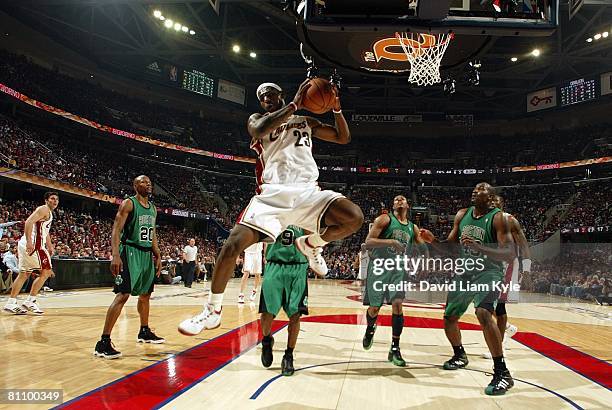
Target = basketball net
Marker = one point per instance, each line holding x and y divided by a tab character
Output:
425	53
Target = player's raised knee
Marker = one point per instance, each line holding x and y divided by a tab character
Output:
354	217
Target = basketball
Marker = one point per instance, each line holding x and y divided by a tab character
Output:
320	97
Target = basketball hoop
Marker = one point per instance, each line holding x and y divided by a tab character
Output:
425	53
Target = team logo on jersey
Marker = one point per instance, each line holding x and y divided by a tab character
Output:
287	126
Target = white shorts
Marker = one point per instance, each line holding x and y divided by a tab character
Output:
252	263
278	206
39	260
511	275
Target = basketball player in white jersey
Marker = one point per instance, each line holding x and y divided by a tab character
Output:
287	193
34	253
507	330
253	264
364	261
364	258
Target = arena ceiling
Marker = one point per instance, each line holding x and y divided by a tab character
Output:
120	34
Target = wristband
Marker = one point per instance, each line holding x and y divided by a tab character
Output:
295	108
526	265
337	112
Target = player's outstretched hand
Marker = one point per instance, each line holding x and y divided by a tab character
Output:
301	92
427	235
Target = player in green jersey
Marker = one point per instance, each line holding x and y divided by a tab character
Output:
134	244
284	285
484	235
391	235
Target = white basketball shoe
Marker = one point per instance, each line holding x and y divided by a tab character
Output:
315	259
207	319
32	307
14	308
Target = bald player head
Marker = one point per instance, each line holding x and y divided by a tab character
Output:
143	186
483	195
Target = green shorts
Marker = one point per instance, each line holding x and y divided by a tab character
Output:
138	272
383	289
286	286
458	301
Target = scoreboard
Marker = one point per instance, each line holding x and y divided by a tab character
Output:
198	82
578	91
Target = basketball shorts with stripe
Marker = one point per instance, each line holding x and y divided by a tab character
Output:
278	206
511	276
38	260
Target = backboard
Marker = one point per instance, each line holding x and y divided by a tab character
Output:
361	34
471	17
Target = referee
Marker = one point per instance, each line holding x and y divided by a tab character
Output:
190	253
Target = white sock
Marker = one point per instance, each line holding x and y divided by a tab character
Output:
215	299
31	298
315	240
11	301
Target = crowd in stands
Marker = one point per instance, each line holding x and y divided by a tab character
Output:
579	271
108	107
541	209
49	155
223	197
79	235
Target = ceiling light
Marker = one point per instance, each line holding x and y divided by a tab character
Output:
185	29
605	34
162	18
252	54
535	52
514	59
177	26
157	14
191	32
236	48
589	40
169	23
597	36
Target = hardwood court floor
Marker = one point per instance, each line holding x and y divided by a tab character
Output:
54	351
